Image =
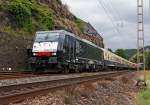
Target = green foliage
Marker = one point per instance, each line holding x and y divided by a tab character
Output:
131	52
20	12
1	7
144	97
121	53
31	15
148	60
80	24
134	59
42	15
109	49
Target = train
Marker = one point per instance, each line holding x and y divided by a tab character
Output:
63	51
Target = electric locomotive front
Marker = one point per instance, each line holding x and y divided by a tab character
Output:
46	49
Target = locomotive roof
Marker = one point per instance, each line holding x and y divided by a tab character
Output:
70	34
56	31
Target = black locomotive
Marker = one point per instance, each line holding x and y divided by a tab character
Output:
66	52
63	51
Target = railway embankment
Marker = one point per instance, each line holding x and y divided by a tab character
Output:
119	90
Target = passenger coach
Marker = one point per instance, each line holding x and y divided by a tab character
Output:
115	62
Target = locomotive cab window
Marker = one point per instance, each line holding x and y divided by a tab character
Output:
47	37
46	42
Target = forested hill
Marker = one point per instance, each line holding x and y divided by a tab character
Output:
131	52
147	47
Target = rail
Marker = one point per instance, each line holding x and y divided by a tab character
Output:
15	93
15	75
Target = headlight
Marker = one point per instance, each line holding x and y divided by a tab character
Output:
54	54
34	54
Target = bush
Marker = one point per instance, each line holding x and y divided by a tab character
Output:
143	97
148	61
80	24
42	15
20	11
1	8
31	15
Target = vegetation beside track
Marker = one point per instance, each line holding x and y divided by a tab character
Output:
143	97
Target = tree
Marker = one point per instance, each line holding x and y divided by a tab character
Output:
148	60
109	49
20	11
121	53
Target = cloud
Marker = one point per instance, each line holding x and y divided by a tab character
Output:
122	12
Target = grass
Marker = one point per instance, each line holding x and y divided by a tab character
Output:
80	24
143	97
20	32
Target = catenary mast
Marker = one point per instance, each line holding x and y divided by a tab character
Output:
140	35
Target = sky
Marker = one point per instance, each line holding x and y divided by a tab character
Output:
115	20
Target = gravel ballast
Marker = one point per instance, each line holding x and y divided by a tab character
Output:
119	90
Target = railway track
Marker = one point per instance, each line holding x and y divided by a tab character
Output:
16	93
15	75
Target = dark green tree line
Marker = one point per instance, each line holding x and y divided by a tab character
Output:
121	53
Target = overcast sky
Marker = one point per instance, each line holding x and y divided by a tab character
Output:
121	33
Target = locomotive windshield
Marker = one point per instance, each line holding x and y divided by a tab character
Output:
47	37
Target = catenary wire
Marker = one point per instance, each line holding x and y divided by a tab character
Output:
107	14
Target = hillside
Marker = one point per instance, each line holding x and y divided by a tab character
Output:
24	17
20	19
147	48
131	52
